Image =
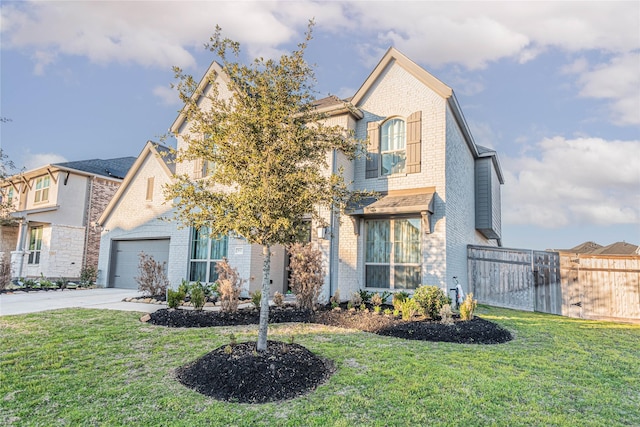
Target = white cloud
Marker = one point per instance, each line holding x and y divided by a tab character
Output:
618	81
574	182
37	160
167	95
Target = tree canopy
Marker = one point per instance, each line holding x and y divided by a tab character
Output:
267	148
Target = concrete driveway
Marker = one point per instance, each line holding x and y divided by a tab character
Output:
106	298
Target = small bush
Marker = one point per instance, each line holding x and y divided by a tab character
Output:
387	312
356	299
399	298
174	298
88	276
152	279
307	274
385	296
278	299
446	315
184	287
197	296
365	295
376	300
468	307
229	286
409	307
256	297
430	300
377	309
335	299
5	273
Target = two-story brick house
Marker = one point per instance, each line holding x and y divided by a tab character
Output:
439	193
56	208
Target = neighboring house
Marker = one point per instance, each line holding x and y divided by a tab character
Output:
592	248
439	193
56	208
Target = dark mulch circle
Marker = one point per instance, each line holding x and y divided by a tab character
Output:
238	373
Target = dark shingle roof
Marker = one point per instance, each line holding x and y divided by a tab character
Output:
592	248
113	168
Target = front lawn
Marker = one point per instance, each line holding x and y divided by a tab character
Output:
102	367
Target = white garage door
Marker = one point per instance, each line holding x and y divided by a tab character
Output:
124	259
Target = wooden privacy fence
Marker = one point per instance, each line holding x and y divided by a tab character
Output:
567	284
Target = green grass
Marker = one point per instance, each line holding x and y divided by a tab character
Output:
101	367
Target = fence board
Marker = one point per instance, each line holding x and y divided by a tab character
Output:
568	284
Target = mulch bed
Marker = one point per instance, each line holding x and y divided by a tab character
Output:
239	373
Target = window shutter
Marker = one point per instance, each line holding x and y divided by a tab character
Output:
373	149
197	168
414	134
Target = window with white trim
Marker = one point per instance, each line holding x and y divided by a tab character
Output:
35	245
42	189
205	252
393	150
393	253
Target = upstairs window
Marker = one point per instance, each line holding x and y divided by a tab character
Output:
42	189
393	147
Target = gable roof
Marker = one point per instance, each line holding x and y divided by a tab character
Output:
592	248
393	56
213	72
164	155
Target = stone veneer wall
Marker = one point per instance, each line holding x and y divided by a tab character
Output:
101	194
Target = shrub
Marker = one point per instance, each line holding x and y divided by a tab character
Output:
5	272
256	297
278	299
409	307
184	287
88	276
377	309
151	279
387	312
376	300
398	298
197	296
356	299
307	274
335	299
385	296
229	286
430	300
174	298
365	295
446	315
467	307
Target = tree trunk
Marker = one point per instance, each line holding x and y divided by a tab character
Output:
264	301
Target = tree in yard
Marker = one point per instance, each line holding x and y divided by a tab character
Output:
6	206
268	149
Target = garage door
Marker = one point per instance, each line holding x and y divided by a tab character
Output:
124	259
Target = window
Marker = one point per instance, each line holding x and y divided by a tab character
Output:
35	245
150	188
393	147
393	253
205	252
42	189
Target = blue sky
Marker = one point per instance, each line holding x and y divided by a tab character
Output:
554	87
